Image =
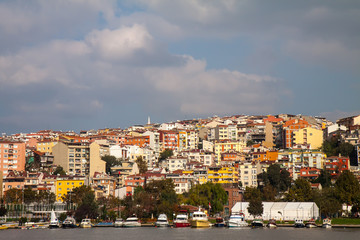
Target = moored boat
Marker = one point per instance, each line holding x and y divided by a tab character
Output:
257	223
199	220
326	223
86	223
132	221
181	220
162	221
54	221
271	223
69	222
118	222
299	223
311	224
237	220
219	222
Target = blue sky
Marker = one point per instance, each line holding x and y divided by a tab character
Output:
88	64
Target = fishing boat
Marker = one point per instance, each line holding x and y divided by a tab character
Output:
311	224
299	223
69	222
86	223
326	223
162	221
132	221
199	220
271	223
118	222
54	221
237	220
257	223
182	220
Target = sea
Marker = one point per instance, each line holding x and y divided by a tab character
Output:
152	233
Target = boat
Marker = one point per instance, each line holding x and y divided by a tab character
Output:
118	222
69	222
257	222
162	221
54	221
311	224
3	227
219	222
132	221
326	223
299	223
104	224
181	220
237	220
199	220
86	223
271	223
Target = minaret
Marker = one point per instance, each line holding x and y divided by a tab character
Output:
148	123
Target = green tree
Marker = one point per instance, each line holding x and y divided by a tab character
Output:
345	149
328	202
203	194
324	178
142	165
300	192
62	217
3	211
166	154
13	195
88	207
59	170
254	196
110	161
347	188
29	196
278	178
77	194
269	193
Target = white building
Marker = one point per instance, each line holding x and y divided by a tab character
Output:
282	211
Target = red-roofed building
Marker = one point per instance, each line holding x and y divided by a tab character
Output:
309	173
336	165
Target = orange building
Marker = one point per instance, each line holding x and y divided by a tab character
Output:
169	139
336	165
140	141
291	126
309	172
268	156
12	156
134	181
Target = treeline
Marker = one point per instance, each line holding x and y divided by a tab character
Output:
276	185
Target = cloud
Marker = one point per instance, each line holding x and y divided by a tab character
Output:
68	79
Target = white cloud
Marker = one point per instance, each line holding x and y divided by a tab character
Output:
119	43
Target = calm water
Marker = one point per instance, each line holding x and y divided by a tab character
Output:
147	233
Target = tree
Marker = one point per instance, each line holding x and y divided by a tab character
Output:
88	207
166	154
142	165
347	188
328	202
13	195
253	195
203	194
3	211
29	195
278	178
110	161
300	192
77	194
59	170
269	193
345	149
324	178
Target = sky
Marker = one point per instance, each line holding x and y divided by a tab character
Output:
90	64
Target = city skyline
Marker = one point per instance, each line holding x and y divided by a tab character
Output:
97	64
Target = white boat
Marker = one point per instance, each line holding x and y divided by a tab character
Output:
311	224
271	223
132	221
182	220
199	220
86	223
54	221
299	223
257	222
118	222
69	222
162	221
326	223
237	220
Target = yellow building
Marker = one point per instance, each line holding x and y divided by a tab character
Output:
64	186
308	135
45	146
223	175
225	146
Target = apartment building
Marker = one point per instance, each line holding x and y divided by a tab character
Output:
12	156
248	172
